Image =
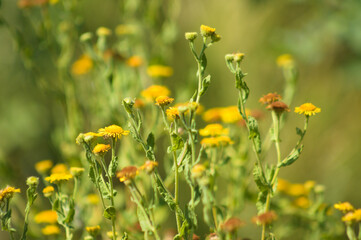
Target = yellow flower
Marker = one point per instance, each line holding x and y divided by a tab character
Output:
163	100
154	91
352	216
134	61
124	29
207	31
230	114
76	171
59	168
149	166
212	115
213	130
172	113
285	60
82	66
297	190
344	207
302	202
8	193
50	230
307	109
216	141
93	231
159	71
47	216
101	149
93	199
198	170
110	234
113	131
43	166
48	191
283	185
59	178
270	98
103	31
127	174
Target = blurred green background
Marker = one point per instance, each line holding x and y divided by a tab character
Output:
324	36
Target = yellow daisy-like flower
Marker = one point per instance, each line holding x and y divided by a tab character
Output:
285	60
213	130
352	216
207	31
92	199
47	216
101	149
50	230
302	202
48	191
103	31
216	141
159	71
59	168
307	109
113	131
8	192
344	207
43	166
154	91
76	171
134	61
93	231
297	190
212	115
163	100
59	178
149	166
230	114
82	66
127	174
172	113
198	170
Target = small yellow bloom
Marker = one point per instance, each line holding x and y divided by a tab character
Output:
154	91
110	234
352	216
285	60
172	113
134	61
82	66
59	178
48	191
212	115
213	130
43	166
307	109
76	171
302	202
297	190
198	170
113	131
127	174
93	199
159	71
283	185
149	166
207	31
47	216
124	29
93	231
230	114
163	100
50	230
101	149
216	141
59	168
8	193
344	207
103	31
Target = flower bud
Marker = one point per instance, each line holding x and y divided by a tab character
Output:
216	37
86	36
128	105
229	57
191	36
32	181
238	57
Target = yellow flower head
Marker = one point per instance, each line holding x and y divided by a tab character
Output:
159	71
198	170
154	91
344	207
285	60
47	216
58	178
8	193
43	166
207	31
110	234
50	230
283	185
307	109
93	231
48	191
172	113
212	115
82	66
113	131
124	29
92	199
270	98
127	174
134	61
101	149
59	168
213	130
163	100
352	216
230	114
149	166
265	218
103	31
302	202
76	171
297	189
216	141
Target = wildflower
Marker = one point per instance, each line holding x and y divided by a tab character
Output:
270	98
154	91
212	115
92	199
207	31
307	109
302	202
198	108
32	181
138	103
230	114
59	168
76	171
58	178
113	131
198	170
191	36
134	61
124	29
213	130
265	218
282	185
43	166
285	60
48	191
93	231
163	101
110	234
82	66
172	113
90	136
216	141
159	71
103	31
297	190
238	57
344	207
47	216
101	149
232	224
127	174
309	185
50	230
149	166
8	193
279	107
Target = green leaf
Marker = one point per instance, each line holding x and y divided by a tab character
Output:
261	202
113	166
183	231
167	197
177	142
150	140
254	133
205	84
70	216
91	174
260	179
109	213
143	220
292	157
203	62
56	205
299	131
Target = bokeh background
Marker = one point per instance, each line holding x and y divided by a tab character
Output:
324	36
